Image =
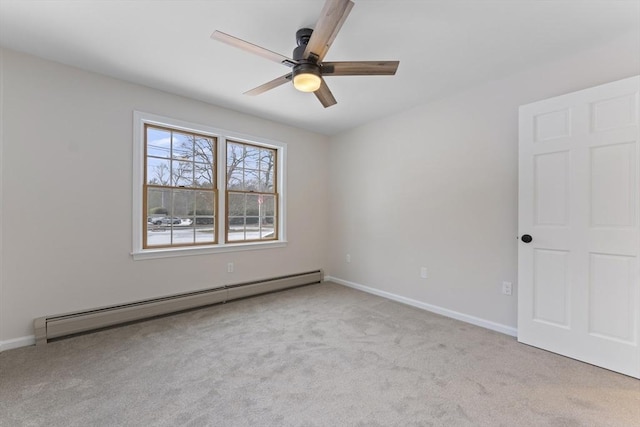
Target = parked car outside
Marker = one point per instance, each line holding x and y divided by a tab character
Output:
163	220
155	220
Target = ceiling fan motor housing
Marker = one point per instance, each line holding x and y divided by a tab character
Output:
302	39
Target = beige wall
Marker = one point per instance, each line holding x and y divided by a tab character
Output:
67	196
436	186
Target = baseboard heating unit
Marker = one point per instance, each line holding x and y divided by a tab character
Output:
61	325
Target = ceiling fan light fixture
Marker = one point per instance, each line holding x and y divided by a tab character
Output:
306	77
307	82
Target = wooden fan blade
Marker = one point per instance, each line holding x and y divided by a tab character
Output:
333	15
360	68
252	48
325	96
269	85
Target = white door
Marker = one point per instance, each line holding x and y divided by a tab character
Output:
579	276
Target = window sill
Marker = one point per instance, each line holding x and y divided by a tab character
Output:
204	250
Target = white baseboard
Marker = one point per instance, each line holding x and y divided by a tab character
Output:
508	330
17	342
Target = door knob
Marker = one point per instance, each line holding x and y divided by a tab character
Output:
526	238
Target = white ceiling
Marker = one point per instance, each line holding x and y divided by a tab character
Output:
443	46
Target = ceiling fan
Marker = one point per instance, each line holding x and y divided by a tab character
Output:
307	63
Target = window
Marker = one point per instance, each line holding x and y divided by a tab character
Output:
179	188
199	189
251	192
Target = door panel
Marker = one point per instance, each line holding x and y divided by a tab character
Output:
579	279
612	185
614	113
551	188
552	125
551	287
612	291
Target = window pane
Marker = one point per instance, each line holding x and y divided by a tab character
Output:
204	150
266	182
182	174
158	142
158	202
158	207
204	208
183	203
251	181
180	226
236	205
205	233
236	227
267	216
268	222
253	206
235	155
267	228
236	208
204	218
268	205
235	180
158	171
267	160
203	175
182	146
251	157
236	230
158	235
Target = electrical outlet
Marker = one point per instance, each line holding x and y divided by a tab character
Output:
507	288
348	258
423	272
230	267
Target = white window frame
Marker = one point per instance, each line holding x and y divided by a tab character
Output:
138	252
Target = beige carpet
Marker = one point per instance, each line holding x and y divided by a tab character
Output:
321	355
